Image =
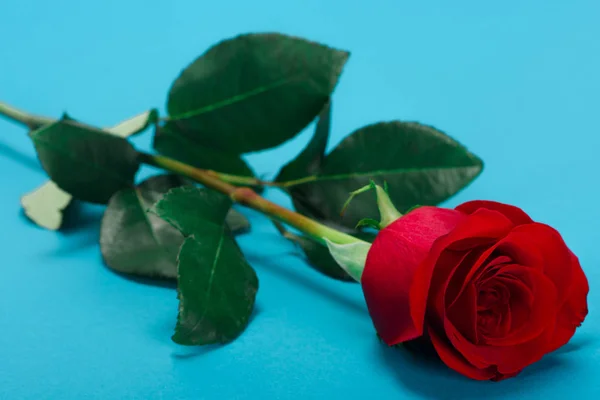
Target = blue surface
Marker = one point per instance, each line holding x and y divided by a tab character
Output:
516	81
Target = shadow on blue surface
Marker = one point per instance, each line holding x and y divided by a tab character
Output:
164	283
19	157
267	262
81	225
183	353
428	377
80	216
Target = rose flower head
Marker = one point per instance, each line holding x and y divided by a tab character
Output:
491	289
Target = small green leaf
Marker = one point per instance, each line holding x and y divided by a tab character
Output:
217	287
420	164
309	160
134	125
45	205
237	222
254	91
372	223
86	162
170	141
133	241
351	257
318	256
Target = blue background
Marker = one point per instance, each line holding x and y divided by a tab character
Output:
516	81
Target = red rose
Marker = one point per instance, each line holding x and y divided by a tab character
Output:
490	288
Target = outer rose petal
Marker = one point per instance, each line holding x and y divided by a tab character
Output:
574	310
453	359
515	214
512	357
556	261
480	227
391	262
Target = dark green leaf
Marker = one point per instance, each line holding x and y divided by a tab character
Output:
420	164
216	286
318	255
254	91
309	160
45	205
133	241
217	289
86	162
170	142
190	208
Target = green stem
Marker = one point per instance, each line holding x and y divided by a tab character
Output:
35	122
217	181
294	182
31	121
237	179
249	198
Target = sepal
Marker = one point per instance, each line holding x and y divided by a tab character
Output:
351	257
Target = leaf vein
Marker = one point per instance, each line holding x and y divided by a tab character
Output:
210	280
233	100
321	178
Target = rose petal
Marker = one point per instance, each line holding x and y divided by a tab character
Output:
482	224
513	247
513	359
506	359
515	214
545	242
574	310
513	352
456	361
497	305
506	321
472	269
463	313
391	262
481	227
500	377
542	309
492	267
520	302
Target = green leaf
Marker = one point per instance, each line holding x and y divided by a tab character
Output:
134	125
309	160
237	222
171	142
86	162
318	255
45	205
217	290
133	241
254	91
420	164
368	222
217	287
190	208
